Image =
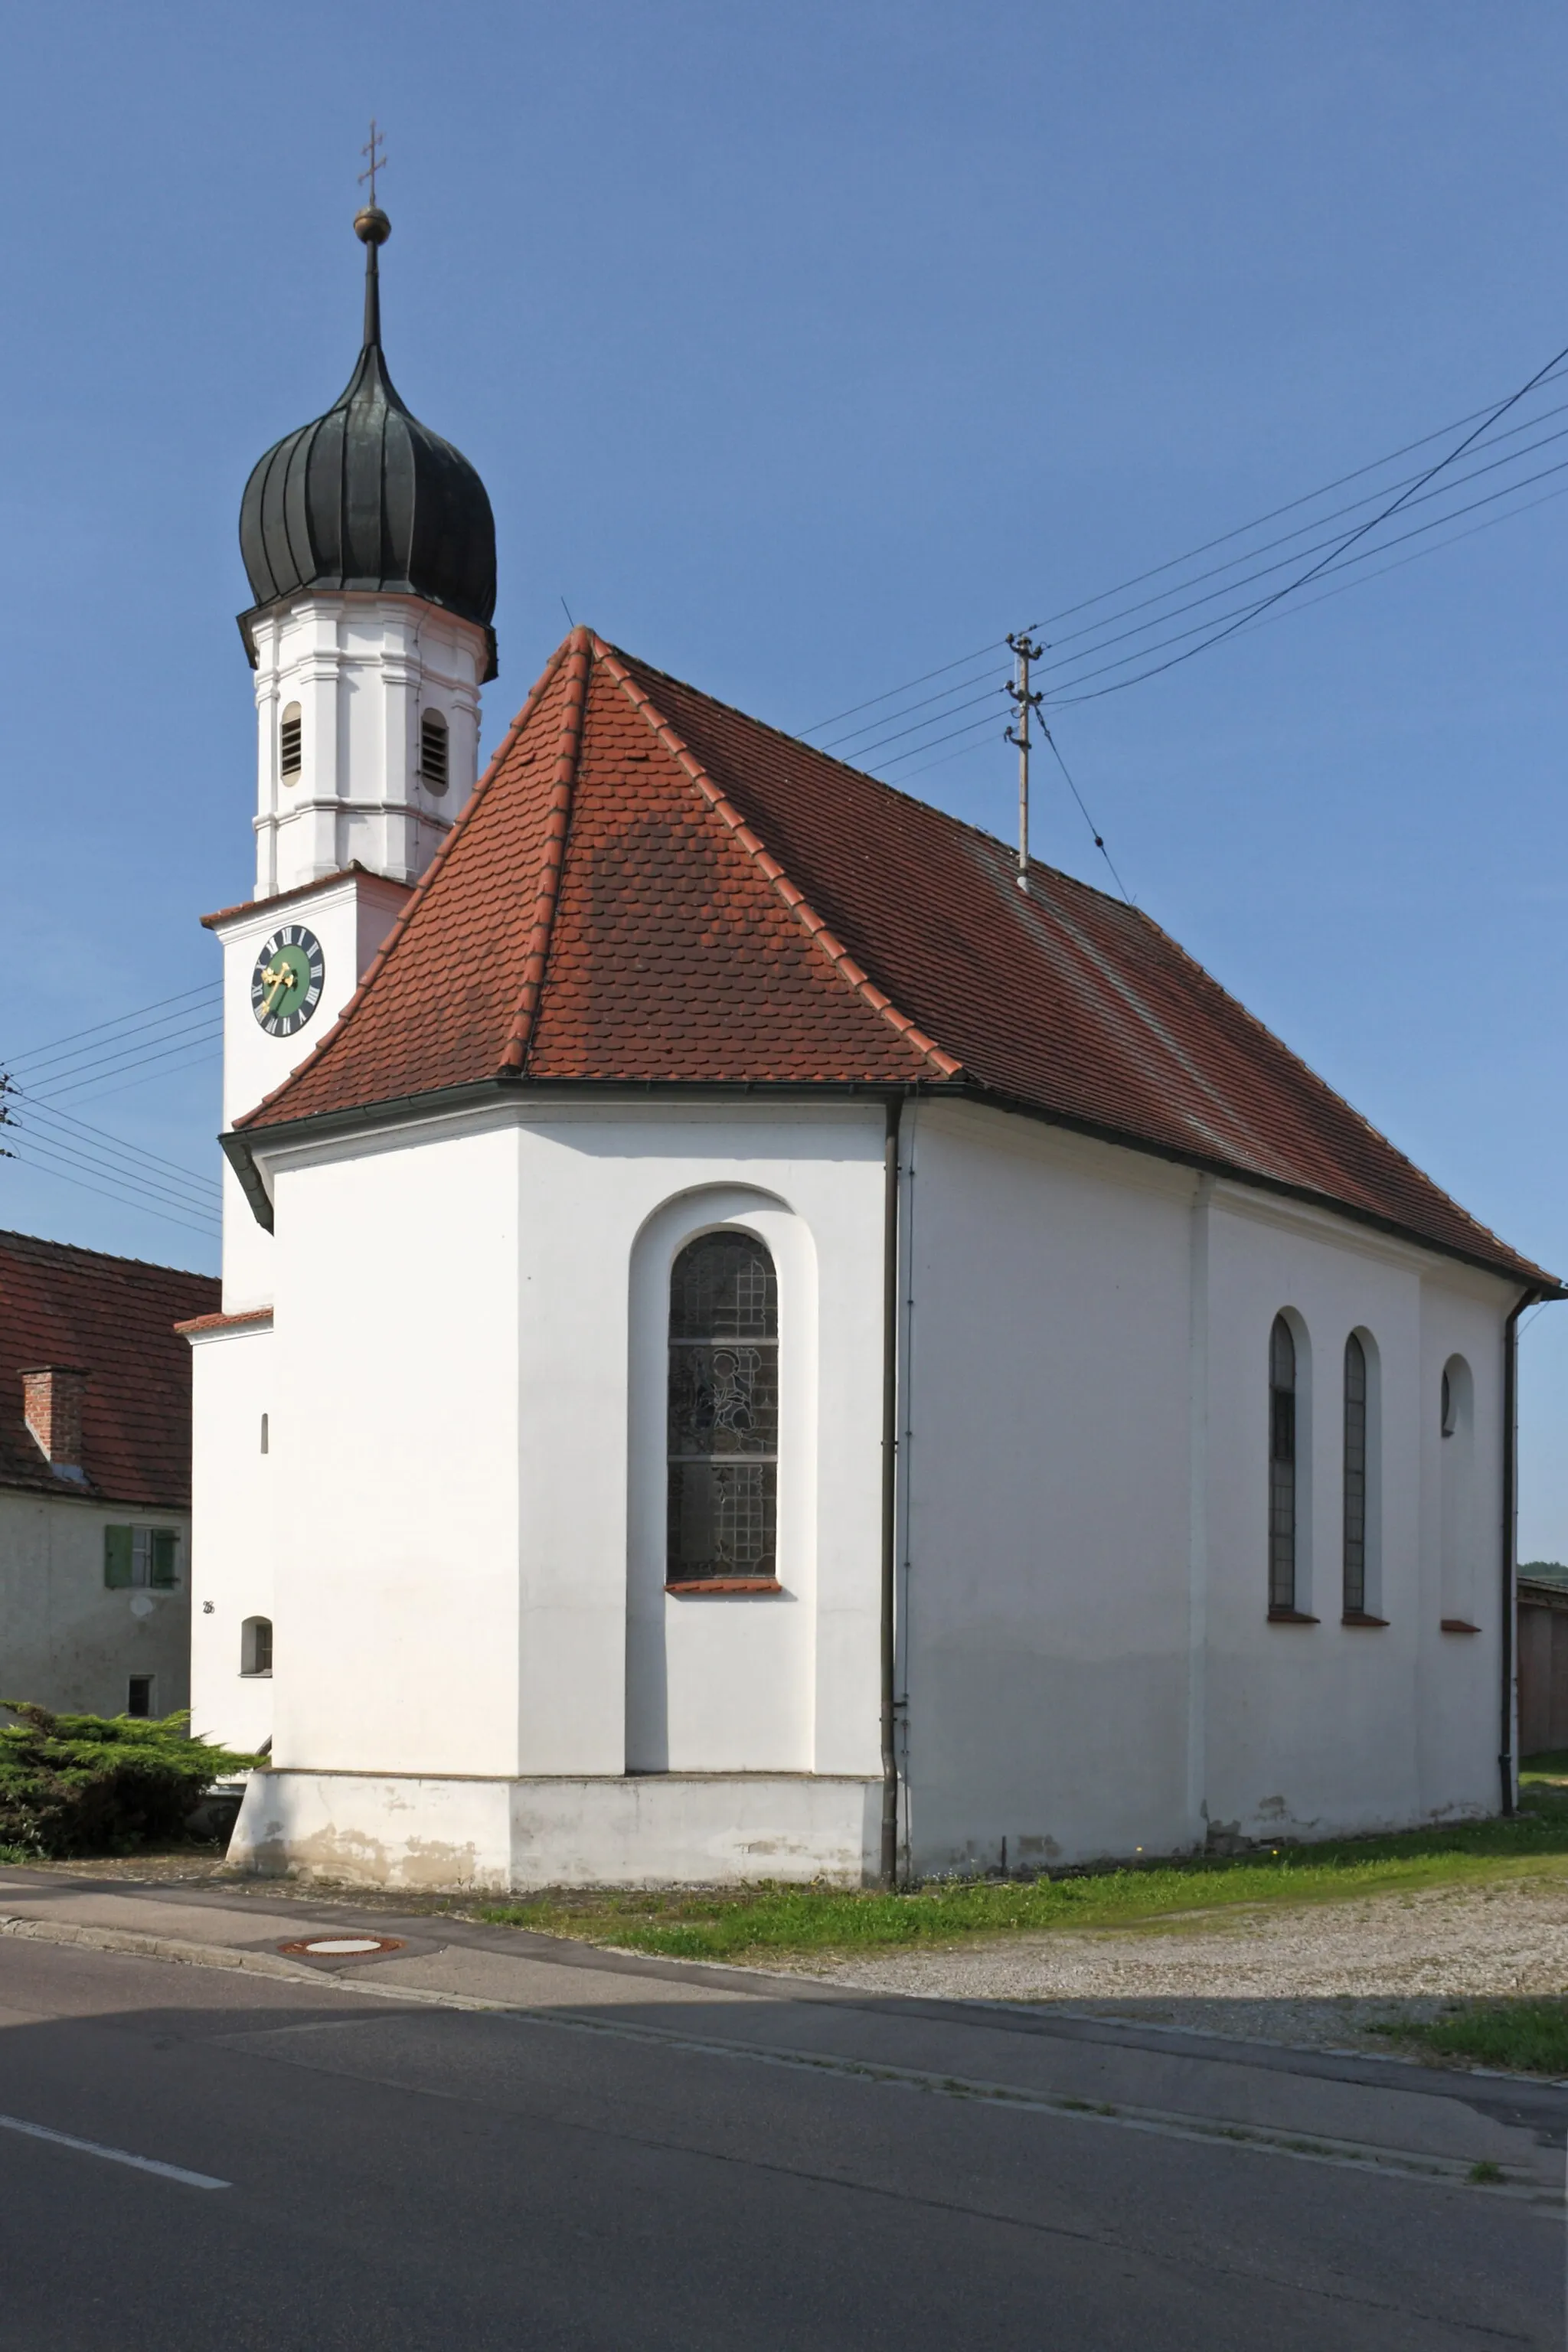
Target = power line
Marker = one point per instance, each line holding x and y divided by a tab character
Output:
197	1194
1096	628
1098	836
926	700
107	1066
1262	605
1348	540
1374	465
126	1191
59	1176
1332	544
993	646
120	1142
31	1053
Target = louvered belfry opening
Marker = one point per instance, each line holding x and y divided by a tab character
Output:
433	749
290	742
723	1412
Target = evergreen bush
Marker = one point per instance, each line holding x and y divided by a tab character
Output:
84	1784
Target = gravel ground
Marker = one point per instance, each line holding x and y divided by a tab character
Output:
1322	1974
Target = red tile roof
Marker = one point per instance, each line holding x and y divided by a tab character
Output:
114	1316
650	886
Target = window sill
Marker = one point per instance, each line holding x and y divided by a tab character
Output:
256	1673
1458	1625
726	1584
1291	1617
1361	1617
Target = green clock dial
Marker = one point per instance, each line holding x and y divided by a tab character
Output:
286	986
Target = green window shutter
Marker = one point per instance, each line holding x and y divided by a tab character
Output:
117	1555
164	1541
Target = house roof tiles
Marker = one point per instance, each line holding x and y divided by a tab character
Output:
650	886
114	1319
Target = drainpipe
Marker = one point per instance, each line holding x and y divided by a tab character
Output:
1509	1510
889	1872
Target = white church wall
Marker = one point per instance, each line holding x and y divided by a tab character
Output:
232	1517
1046	1521
452	1473
1091	1665
350	917
394	1457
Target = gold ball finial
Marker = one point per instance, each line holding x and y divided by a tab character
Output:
372	226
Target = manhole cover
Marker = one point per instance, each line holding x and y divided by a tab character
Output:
343	1948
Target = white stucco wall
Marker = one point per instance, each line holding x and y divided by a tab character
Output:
232	1554
1092	1668
462	1498
66	1640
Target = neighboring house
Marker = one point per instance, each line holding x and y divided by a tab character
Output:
752	1346
1543	1658
95	1478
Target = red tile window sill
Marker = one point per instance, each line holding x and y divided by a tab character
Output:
727	1585
1361	1617
1458	1625
1291	1617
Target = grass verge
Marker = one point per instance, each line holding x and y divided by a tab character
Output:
1522	2037
771	1920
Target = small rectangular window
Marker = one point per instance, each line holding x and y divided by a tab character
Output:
139	1694
140	1556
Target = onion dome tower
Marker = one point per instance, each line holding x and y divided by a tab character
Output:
370	548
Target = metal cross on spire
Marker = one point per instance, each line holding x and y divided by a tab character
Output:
377	161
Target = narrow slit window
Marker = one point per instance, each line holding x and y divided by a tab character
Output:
1281	1467
1355	1478
724	1413
290	742
432	749
267	1432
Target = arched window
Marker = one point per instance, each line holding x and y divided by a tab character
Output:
1281	1467
723	1414
290	742
433	770
255	1646
1460	1537
1355	1477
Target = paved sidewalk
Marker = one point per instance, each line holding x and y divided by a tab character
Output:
1309	2104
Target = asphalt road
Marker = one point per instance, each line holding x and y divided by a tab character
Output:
416	2178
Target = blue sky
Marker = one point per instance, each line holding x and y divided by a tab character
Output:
803	351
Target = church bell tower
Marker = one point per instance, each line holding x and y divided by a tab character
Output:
370	547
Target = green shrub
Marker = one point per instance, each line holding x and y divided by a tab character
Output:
82	1784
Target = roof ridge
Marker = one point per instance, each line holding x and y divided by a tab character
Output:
773	873
10	1234
579	651
978	832
416	896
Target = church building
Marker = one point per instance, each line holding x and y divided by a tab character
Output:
754	1347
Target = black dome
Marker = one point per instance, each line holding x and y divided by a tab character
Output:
368	497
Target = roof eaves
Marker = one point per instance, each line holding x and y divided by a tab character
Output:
557	826
1507	1264
837	954
406	913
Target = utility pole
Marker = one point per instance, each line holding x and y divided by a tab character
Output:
1026	651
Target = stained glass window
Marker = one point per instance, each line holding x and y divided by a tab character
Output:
1281	1467
1355	1477
723	1426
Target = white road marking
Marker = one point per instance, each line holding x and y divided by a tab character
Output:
114	2155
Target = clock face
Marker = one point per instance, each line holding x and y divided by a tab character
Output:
286	986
